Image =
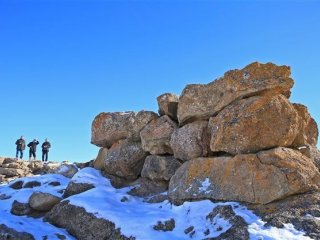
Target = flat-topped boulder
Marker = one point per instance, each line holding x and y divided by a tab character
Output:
108	128
253	124
255	178
202	101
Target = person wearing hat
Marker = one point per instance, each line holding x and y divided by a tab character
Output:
45	150
33	149
21	145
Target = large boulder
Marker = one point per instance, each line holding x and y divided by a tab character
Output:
255	178
202	101
125	159
43	201
81	224
191	141
308	134
108	128
168	105
254	124
160	168
156	136
99	161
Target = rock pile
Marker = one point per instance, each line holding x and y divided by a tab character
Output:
12	168
238	138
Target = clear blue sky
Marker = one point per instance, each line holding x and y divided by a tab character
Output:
63	62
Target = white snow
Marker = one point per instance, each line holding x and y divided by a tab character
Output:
134	216
205	185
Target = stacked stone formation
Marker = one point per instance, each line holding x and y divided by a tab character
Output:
237	138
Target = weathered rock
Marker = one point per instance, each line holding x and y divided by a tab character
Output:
144	187
125	159
32	184
191	141
81	224
20	209
7	233
99	162
10	160
255	178
17	184
12	172
308	132
254	124
141	119
168	105
165	226
36	167
67	170
202	101
160	168
43	201
1	160
108	128
302	211
239	228
74	188
156	136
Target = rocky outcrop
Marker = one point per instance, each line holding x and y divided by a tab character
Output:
202	101
255	178
44	202
248	125
12	168
108	128
191	141
240	139
125	159
99	161
156	136
81	224
160	168
7	233
168	105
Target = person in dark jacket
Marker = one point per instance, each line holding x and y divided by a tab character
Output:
33	149
45	150
21	146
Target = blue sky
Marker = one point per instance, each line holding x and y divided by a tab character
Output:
63	62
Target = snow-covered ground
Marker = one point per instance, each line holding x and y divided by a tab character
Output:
134	217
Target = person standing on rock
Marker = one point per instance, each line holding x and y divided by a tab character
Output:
45	150
33	149
21	145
